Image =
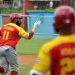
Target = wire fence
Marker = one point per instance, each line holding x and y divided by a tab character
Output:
7	7
17	6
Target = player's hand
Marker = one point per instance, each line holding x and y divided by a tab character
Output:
37	24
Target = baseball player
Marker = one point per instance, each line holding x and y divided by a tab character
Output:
10	35
58	56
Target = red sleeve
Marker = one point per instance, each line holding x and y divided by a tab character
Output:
0	31
30	35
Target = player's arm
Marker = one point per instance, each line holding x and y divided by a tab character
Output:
29	35
34	28
24	34
42	63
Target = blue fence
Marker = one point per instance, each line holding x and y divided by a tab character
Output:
0	20
46	18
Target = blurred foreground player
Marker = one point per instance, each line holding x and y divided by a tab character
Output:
58	56
10	35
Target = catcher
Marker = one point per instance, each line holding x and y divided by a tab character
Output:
11	33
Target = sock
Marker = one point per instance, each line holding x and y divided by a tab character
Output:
1	69
13	73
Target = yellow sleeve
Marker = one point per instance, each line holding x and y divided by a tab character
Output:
43	62
0	30
23	33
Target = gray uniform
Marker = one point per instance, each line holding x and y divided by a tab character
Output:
8	56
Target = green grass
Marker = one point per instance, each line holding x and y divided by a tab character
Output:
30	46
23	70
9	11
19	10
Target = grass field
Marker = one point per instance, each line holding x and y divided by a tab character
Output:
29	47
24	70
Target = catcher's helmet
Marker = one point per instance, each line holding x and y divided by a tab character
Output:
64	18
15	15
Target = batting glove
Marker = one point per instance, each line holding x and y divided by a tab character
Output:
36	25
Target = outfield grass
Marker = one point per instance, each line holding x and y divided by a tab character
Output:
23	70
30	46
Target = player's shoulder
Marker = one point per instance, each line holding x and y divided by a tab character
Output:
15	26
51	43
57	41
12	24
47	45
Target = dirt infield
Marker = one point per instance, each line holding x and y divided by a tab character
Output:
26	59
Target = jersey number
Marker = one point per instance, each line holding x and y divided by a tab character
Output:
5	35
68	65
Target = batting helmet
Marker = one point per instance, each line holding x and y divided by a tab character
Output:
64	18
15	15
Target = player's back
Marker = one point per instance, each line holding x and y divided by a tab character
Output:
58	56
9	35
62	56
